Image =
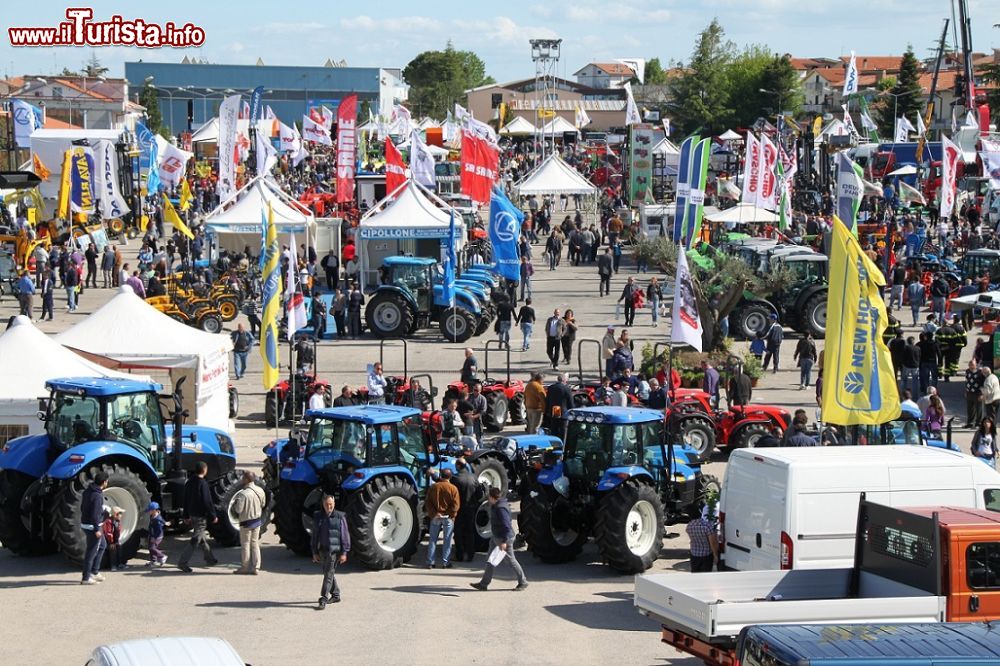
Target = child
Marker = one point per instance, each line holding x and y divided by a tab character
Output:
156	528
757	347
112	535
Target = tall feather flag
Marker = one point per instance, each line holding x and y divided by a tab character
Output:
186	197
851	78
683	187
262	258
65	186
866	120
685	325
272	303
39	167
294	298
784	202
697	180
450	260
850	189
859	385
170	215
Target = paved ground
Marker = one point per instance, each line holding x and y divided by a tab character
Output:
575	613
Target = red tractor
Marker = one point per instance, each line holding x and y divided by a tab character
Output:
288	399
504	399
398	389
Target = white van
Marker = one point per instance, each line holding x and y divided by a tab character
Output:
797	508
167	651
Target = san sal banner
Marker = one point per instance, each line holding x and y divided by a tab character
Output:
347	147
112	203
480	163
81	199
686	326
228	156
751	170
950	155
640	163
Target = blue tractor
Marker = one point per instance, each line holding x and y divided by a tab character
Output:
115	426
619	480
408	299
374	460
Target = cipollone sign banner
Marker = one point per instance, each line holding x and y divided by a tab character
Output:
859	385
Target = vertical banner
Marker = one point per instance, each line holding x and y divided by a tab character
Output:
347	147
27	118
696	196
147	146
683	186
395	170
81	199
950	155
685	327
172	162
640	163
990	154
112	202
271	291
765	174
850	189
480	163
255	98
228	156
505	231
751	170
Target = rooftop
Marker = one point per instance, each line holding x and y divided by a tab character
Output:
368	414
101	386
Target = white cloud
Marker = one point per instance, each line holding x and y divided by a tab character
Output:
236	47
414	24
292	27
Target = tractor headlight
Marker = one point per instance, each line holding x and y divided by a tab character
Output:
225	443
561	486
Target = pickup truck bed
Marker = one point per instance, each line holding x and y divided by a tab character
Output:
714	607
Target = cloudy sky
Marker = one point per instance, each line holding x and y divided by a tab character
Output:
390	32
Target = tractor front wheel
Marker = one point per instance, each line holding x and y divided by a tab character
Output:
629	527
699	434
752	319
749	435
288	508
814	316
228	308
125	489
457	324
210	323
225	530
383	521
497	411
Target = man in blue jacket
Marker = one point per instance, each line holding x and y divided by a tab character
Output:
92	522
503	538
331	541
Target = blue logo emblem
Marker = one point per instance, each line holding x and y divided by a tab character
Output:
854	383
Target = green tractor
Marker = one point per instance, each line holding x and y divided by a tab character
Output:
800	306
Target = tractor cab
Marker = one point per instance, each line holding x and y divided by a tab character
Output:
412	274
977	262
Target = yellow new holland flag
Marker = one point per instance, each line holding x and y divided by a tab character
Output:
272	303
170	215
859	385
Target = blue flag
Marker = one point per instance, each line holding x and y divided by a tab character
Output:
448	288
148	157
263	240
505	232
255	97
683	187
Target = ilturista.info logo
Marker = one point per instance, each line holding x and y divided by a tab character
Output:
81	30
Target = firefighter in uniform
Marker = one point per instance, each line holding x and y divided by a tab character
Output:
891	329
952	338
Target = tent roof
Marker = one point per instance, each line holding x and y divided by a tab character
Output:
520	126
730	135
666	147
427	123
241	213
556	177
369	126
133	332
33	358
742	212
436	151
558	125
414	210
209	132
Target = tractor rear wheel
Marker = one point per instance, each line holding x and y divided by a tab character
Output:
15	534
492	472
288	506
814	316
228	308
272	407
497	411
383	521
457	324
549	540
749	435
483	323
699	434
518	414
226	530
210	322
752	319
388	315
629	527
125	489
234	402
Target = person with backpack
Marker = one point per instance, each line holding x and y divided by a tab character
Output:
773	337
242	343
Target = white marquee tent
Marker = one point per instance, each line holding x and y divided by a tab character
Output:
410	220
136	335
520	126
209	132
437	151
237	221
557	126
742	213
554	176
33	358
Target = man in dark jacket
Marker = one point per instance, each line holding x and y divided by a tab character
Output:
92	522
773	338
199	511
555	329
740	388
503	538
331	267
604	269
628	300
468	503
558	401
331	541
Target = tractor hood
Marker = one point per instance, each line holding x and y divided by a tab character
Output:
28	455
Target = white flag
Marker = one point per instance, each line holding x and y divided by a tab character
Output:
921	128
848	121
302	153
971	121
315	132
903	129
402	122
686	323
229	110
172	162
638	67
582	119
666	126
631	110
113	204
867	123
954	120
27	119
288	138
469	123
950	155
421	162
294	299
267	156
851	79
751	167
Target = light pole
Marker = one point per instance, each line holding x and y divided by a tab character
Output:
170	96
895	107
204	97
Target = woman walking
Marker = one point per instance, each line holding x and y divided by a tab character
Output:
569	337
985	440
654	294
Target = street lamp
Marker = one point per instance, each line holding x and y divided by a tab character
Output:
776	93
149	84
895	106
204	99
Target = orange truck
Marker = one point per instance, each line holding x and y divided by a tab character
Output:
912	565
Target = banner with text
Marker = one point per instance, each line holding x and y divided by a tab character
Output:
347	147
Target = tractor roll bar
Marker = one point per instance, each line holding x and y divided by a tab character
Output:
486	357
579	358
406	354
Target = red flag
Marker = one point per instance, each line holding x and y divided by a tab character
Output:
480	162
395	170
347	137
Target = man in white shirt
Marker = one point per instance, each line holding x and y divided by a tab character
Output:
376	385
317	400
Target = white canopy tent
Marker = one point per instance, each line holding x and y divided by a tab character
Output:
989	300
437	151
554	176
730	135
518	127
428	123
50	145
741	213
370	126
410	220
238	221
557	126
136	335
209	132
33	358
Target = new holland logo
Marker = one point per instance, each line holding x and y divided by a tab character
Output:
504	225
854	383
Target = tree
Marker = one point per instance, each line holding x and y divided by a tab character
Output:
781	78
93	68
701	95
905	98
655	75
744	78
438	79
154	119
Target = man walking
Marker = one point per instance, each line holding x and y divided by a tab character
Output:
608	346
526	318
441	506
773	338
916	294
26	295
503	538
331	541
628	295
973	391
331	267
534	403
199	511
242	343
465	523
108	266
470	366
555	329
704	544
604	270
248	508
92	522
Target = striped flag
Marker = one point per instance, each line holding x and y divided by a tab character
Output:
850	189
272	305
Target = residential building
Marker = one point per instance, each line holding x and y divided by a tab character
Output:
79	101
606	107
603	75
